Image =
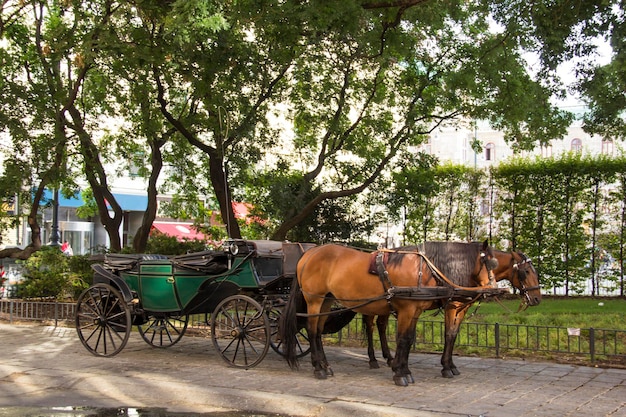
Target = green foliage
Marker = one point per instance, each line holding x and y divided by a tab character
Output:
204	84
89	208
552	209
50	273
439	201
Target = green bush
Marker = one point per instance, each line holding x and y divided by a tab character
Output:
163	244
48	273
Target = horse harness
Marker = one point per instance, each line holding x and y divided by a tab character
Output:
445	290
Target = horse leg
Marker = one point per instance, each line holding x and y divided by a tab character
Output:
315	338
454	314
316	352
368	323
321	368
400	364
381	323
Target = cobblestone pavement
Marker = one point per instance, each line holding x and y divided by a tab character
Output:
46	366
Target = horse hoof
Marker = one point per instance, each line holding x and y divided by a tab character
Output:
329	372
446	373
374	365
409	379
320	374
455	371
400	381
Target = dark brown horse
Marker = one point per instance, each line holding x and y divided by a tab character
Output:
512	266
405	285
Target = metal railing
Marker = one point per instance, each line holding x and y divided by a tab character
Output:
588	345
15	310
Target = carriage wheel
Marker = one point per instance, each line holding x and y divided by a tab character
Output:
162	330
303	346
240	331
103	320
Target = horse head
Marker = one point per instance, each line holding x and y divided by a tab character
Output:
524	277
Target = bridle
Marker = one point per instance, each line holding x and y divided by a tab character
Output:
521	275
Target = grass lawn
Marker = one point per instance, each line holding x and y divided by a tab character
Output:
583	312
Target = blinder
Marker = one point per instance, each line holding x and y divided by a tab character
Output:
490	263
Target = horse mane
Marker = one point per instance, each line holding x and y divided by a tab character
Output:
456	260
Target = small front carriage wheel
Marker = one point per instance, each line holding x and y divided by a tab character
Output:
163	330
103	320
303	346
240	331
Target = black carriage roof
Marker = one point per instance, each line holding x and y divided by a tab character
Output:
265	248
206	259
262	248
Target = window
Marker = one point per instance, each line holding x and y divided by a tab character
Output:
546	151
577	145
490	152
607	147
485	207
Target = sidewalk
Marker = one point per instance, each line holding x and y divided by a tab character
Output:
46	366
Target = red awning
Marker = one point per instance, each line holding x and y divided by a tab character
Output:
179	230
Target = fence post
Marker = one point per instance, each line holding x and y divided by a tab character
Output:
497	336
592	345
11	311
56	313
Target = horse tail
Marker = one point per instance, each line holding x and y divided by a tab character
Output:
288	324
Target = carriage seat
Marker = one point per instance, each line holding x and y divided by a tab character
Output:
123	261
210	261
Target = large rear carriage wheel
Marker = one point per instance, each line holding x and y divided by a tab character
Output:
103	320
162	330
240	331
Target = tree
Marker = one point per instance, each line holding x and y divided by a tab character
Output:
55	49
360	82
355	82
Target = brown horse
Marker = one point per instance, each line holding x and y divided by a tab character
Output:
405	285
512	266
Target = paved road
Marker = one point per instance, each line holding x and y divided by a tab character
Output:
46	366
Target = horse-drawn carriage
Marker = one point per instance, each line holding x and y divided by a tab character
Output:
238	291
248	296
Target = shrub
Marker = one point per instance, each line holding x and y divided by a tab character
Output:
169	245
48	273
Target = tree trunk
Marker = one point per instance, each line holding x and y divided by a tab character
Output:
140	241
97	179
219	182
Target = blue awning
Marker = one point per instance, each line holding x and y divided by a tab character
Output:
132	202
128	202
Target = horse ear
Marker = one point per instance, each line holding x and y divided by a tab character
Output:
485	244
